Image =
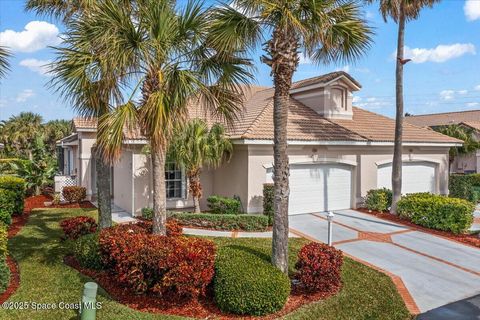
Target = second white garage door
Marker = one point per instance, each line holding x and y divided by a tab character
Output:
416	177
319	187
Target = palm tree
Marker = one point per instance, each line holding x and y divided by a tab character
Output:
55	130
327	31
19	133
400	11
195	146
169	54
4	64
470	144
84	81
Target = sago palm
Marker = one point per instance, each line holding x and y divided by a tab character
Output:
195	146
168	54
400	11
326	31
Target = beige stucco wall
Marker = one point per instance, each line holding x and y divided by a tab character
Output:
362	159
86	141
122	181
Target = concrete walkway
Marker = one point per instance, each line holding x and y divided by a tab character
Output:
429	271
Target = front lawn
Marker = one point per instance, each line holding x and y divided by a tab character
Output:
367	294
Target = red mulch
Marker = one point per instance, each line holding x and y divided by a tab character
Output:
470	239
201	308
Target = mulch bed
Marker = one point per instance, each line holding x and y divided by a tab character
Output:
201	308
470	239
14	280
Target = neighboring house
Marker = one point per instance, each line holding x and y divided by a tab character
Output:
470	119
337	153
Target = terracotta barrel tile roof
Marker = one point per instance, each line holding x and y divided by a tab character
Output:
472	124
255	120
441	119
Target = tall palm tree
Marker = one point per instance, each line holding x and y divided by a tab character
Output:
83	80
327	31
195	146
169	55
4	64
400	11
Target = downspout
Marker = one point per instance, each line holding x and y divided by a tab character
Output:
133	184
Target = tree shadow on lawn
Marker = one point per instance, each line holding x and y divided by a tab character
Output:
41	237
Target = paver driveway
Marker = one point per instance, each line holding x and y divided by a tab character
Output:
433	270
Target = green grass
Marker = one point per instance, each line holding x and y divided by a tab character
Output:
367	294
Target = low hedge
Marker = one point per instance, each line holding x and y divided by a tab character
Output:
465	187
87	251
16	185
378	199
246	284
268	199
437	212
4	269
223	205
7	205
230	222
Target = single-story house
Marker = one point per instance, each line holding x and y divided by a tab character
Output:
337	153
468	163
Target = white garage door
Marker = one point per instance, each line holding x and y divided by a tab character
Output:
416	177
315	188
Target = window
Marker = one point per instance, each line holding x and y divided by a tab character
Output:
174	181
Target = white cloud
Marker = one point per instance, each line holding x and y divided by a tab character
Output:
440	53
462	92
345	68
473	104
25	95
39	66
447	94
36	35
374	103
356	99
477	87
472	9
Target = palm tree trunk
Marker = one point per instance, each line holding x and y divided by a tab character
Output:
397	149
159	191
104	193
284	60
195	189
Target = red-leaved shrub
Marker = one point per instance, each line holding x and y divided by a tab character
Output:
319	268
76	227
165	265
74	193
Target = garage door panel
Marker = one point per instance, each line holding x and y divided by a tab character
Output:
416	177
315	188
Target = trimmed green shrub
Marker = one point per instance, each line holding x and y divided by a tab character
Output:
465	187
7	205
4	269
74	193
378	199
246	284
437	212
87	251
246	222
268	198
147	213
16	185
223	205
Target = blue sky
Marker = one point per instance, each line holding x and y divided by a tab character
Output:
444	75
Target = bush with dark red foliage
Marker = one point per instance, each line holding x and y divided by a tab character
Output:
73	228
319	268
74	193
165	265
